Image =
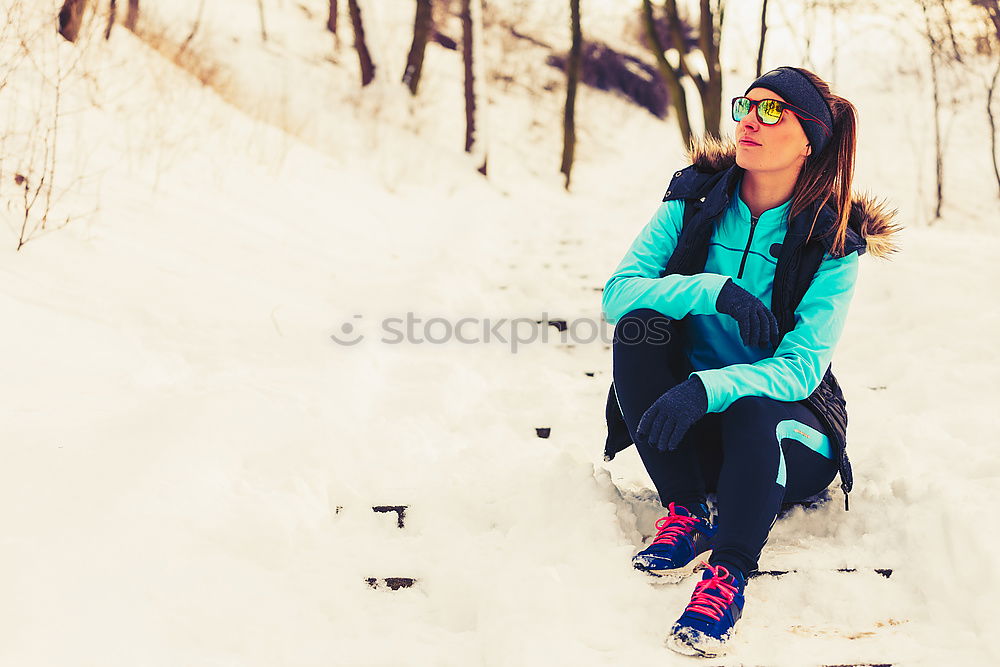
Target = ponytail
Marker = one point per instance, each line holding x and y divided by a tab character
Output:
826	177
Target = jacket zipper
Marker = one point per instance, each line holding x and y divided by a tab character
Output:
746	251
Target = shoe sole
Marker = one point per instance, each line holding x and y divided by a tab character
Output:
672	575
680	644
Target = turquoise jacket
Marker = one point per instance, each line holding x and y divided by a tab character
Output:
746	251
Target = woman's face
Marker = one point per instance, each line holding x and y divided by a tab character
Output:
779	147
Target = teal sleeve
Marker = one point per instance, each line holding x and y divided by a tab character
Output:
802	357
636	283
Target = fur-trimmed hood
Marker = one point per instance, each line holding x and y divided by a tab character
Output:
871	219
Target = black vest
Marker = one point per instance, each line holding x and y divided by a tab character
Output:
706	196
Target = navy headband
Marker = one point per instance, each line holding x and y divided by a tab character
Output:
799	91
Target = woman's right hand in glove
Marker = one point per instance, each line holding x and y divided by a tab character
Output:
758	326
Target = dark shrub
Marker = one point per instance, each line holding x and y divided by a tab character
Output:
606	69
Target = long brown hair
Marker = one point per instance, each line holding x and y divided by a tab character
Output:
827	176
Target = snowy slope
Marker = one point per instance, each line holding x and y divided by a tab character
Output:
191	461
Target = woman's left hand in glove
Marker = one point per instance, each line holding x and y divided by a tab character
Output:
666	421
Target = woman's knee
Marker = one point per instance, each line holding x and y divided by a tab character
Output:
751	409
750	421
809	473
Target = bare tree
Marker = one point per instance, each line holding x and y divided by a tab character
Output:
710	88
132	16
263	29
331	21
33	181
112	10
472	27
415	60
71	18
707	83
572	79
992	46
36	176
951	50
365	59
934	51
949	24
671	77
763	32
993	123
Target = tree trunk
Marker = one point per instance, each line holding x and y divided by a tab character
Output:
709	38
993	124
760	46
572	79
938	148
472	25
365	59
263	29
112	10
331	20
710	88
679	41
992	10
415	61
470	93
670	77
951	31
132	16
71	19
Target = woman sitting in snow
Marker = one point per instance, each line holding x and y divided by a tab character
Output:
728	307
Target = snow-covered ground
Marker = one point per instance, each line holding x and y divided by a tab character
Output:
190	462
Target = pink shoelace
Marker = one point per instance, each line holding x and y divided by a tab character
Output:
672	526
712	596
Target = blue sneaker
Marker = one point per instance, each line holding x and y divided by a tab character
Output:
680	537
708	621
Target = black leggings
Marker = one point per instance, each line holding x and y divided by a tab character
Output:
756	455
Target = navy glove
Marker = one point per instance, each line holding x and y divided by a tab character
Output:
758	328
667	420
